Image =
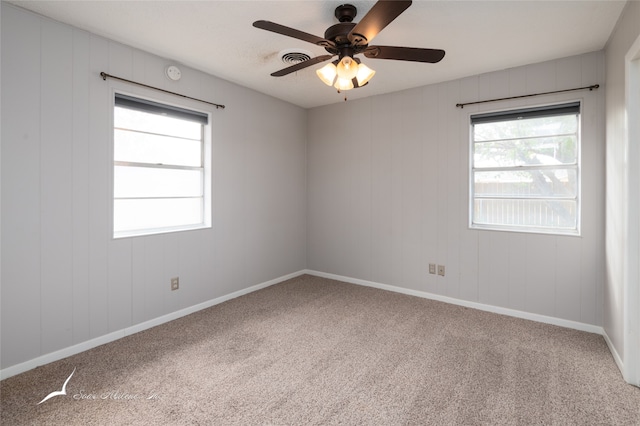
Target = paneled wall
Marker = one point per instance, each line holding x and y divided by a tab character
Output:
374	189
64	279
388	194
622	192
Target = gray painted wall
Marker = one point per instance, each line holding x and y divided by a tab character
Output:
64	279
618	164
388	194
378	197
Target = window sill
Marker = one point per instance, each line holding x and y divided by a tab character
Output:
527	230
158	231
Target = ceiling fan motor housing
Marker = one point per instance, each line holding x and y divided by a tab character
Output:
345	12
339	33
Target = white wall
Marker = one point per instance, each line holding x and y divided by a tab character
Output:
619	188
64	279
381	192
388	194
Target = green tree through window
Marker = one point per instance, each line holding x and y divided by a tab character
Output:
525	170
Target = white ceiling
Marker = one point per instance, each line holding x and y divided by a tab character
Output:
217	37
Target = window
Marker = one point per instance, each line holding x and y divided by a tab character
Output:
160	168
525	170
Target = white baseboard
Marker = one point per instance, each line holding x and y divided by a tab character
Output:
475	305
614	352
110	337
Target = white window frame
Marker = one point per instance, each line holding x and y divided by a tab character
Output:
578	168
206	156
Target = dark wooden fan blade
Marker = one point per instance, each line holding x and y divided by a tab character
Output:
290	32
301	65
381	14
404	53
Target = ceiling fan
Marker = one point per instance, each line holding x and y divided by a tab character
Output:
347	39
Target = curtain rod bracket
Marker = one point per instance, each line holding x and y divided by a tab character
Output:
591	88
104	76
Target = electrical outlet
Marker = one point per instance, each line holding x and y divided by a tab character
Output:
441	270
432	268
175	283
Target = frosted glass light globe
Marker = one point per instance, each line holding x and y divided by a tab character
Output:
347	68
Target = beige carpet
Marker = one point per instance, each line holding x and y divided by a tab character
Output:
316	351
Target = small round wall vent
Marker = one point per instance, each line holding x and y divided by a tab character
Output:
294	56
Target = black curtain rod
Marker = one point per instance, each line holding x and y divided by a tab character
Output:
595	86
104	76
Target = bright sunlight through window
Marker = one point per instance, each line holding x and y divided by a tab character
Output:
159	169
525	170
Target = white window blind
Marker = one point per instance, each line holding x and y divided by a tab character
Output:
159	167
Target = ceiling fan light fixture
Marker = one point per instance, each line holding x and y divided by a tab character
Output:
364	74
328	74
343	84
348	39
347	68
